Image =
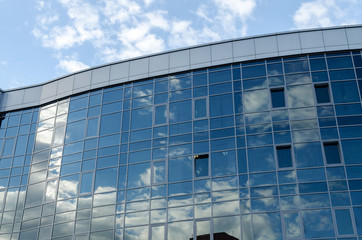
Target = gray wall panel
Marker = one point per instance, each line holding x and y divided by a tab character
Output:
272	45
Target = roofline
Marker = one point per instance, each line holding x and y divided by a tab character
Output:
271	39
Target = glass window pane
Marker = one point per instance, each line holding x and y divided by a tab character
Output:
277	96
255	101
292	225
344	92
261	159
221	105
320	218
105	180
180	111
331	151
158	233
344	223
223	163
267	226
180	169
227	228
160	114
308	154
284	155
110	123
139	175
322	93
141	118
300	96
202	165
200	108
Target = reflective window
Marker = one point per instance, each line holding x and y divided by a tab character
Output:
320	218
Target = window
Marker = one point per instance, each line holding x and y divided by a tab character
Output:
201	165
331	151
322	93
200	108
284	155
344	223
277	96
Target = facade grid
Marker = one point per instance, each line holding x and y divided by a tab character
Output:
263	149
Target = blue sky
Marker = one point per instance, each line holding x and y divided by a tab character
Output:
42	40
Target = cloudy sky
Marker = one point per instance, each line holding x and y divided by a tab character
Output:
42	40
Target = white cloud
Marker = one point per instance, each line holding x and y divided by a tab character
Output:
324	13
71	65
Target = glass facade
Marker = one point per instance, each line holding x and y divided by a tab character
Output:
266	149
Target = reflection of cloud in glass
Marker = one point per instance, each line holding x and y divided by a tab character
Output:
47	112
158	216
300	96
267	226
67	188
180	213
138	218
43	139
180	230
254	101
203	211
51	191
224	183
137	233
105	198
46	124
225	195
229	225
225	208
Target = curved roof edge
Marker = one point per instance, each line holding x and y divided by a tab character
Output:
205	55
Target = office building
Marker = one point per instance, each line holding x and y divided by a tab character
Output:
253	138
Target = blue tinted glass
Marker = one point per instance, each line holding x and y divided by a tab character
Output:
221	105
180	128
339	62
78	104
139	175
344	223
180	169
92	127
200	108
179	188
221	76
277	97
319	77
261	159
296	66
336	75
75	131
254	83
313	187
220	88
322	93
255	71
180	111
141	118
110	123
317	64
201	167
345	92
142	90
358	216
200	80
352	151
113	96
320	218
284	155
275	69
223	163
331	151
95	100
308	154
160	114
179	83
161	86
